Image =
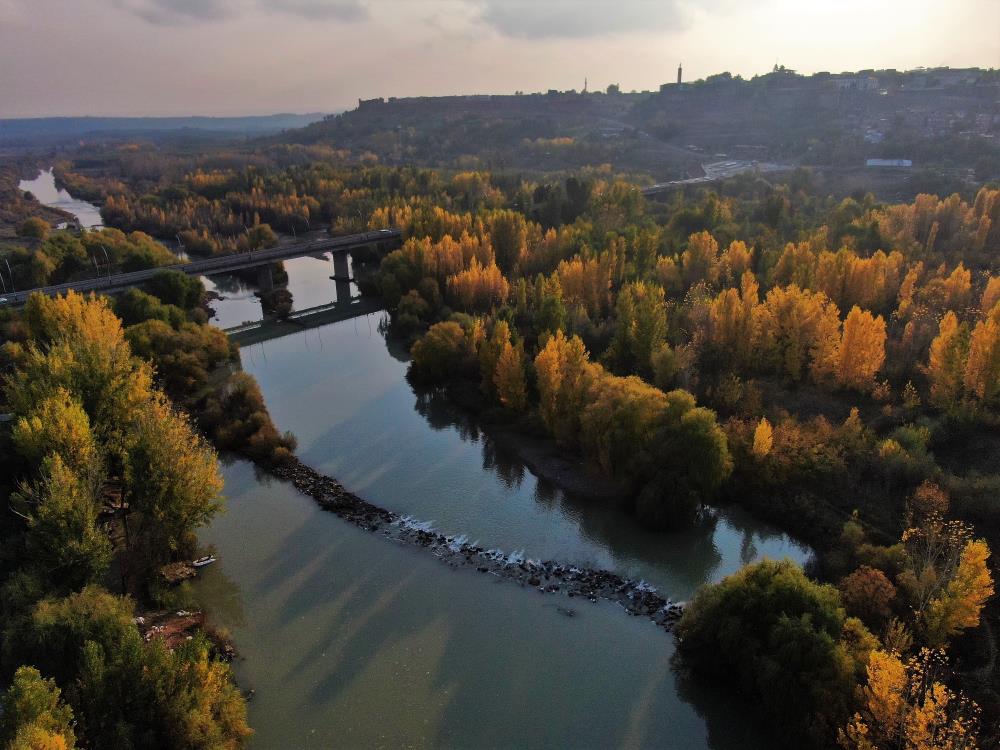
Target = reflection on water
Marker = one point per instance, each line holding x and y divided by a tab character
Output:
351	641
357	418
44	189
309	282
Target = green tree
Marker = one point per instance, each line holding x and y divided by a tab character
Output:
33	715
783	639
62	539
440	353
172	483
135	306
177	288
640	328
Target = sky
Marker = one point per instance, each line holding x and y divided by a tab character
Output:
238	57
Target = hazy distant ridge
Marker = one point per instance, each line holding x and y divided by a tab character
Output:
73	126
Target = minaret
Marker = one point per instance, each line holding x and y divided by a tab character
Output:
680	71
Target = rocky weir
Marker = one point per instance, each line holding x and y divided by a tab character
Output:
635	597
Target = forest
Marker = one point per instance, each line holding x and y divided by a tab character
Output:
830	364
110	472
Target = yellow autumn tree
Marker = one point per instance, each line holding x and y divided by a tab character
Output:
509	378
946	578
907	706
799	332
982	368
763	438
959	604
700	260
861	351
731	331
564	375
991	295
946	365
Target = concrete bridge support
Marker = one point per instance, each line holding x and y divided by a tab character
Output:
265	280
342	277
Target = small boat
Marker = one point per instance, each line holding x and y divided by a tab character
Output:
203	561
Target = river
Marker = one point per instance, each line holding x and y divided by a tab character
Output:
44	189
350	640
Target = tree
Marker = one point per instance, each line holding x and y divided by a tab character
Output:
478	288
945	577
63	541
550	312
33	715
700	260
927	501
763	438
78	346
958	606
564	375
238	420
861	351
59	425
731	332
128	693
183	358
946	366
509	378
799	332
34	228
640	328
982	368
783	639
440	352
867	593
509	234
135	306
907	706
172	483
176	288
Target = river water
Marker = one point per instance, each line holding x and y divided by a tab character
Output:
354	641
44	189
349	640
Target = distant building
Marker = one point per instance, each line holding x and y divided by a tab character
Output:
680	75
366	103
856	83
904	163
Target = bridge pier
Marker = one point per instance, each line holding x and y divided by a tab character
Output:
265	279
342	277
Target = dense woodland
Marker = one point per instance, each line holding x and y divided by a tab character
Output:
831	364
108	481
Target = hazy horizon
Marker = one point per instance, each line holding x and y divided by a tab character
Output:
226	58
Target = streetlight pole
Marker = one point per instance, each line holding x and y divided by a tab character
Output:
108	259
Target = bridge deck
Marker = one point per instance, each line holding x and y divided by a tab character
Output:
219	264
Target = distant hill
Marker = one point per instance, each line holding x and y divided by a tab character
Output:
51	129
940	118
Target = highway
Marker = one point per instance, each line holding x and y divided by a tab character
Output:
217	264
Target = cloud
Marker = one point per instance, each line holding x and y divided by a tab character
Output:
175	12
539	19
339	10
179	12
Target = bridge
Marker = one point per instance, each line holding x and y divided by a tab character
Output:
381	240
